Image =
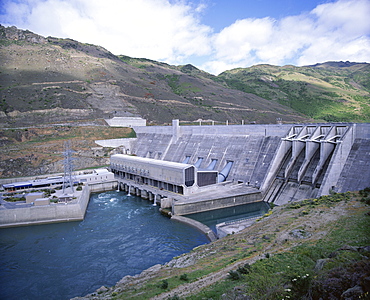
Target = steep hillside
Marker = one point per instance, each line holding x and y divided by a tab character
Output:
48	80
332	91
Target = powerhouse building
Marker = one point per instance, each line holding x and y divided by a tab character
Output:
179	178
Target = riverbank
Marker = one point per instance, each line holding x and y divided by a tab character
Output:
285	238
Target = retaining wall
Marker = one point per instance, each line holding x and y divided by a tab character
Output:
185	208
54	212
198	225
114	143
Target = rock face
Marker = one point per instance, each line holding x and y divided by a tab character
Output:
15	34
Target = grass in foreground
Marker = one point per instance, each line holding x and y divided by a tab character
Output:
322	269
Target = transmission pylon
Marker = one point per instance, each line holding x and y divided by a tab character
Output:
68	167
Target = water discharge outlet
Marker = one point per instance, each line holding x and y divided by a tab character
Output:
225	172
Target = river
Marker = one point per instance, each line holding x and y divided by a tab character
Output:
120	235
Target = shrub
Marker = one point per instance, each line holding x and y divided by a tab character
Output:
14	199
184	277
300	284
365	193
234	275
246	269
164	284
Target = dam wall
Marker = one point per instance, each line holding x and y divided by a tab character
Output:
249	147
355	174
286	162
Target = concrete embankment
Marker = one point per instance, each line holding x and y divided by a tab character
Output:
55	212
223	199
200	226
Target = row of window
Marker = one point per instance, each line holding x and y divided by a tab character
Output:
152	182
129	169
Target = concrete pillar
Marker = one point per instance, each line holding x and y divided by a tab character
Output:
157	199
137	192
283	149
144	194
131	190
340	155
166	202
151	196
175	130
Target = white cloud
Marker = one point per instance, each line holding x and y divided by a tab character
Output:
153	29
332	31
171	31
237	41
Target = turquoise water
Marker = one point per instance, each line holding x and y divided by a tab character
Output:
121	235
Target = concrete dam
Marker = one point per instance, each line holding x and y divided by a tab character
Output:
189	169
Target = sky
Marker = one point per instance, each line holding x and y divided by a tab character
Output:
213	35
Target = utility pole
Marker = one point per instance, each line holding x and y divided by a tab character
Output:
68	166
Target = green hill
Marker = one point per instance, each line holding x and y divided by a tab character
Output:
332	91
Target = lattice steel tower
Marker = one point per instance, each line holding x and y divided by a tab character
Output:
68	167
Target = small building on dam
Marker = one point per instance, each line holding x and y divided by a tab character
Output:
189	169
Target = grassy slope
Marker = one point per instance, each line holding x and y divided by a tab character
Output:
327	91
306	248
